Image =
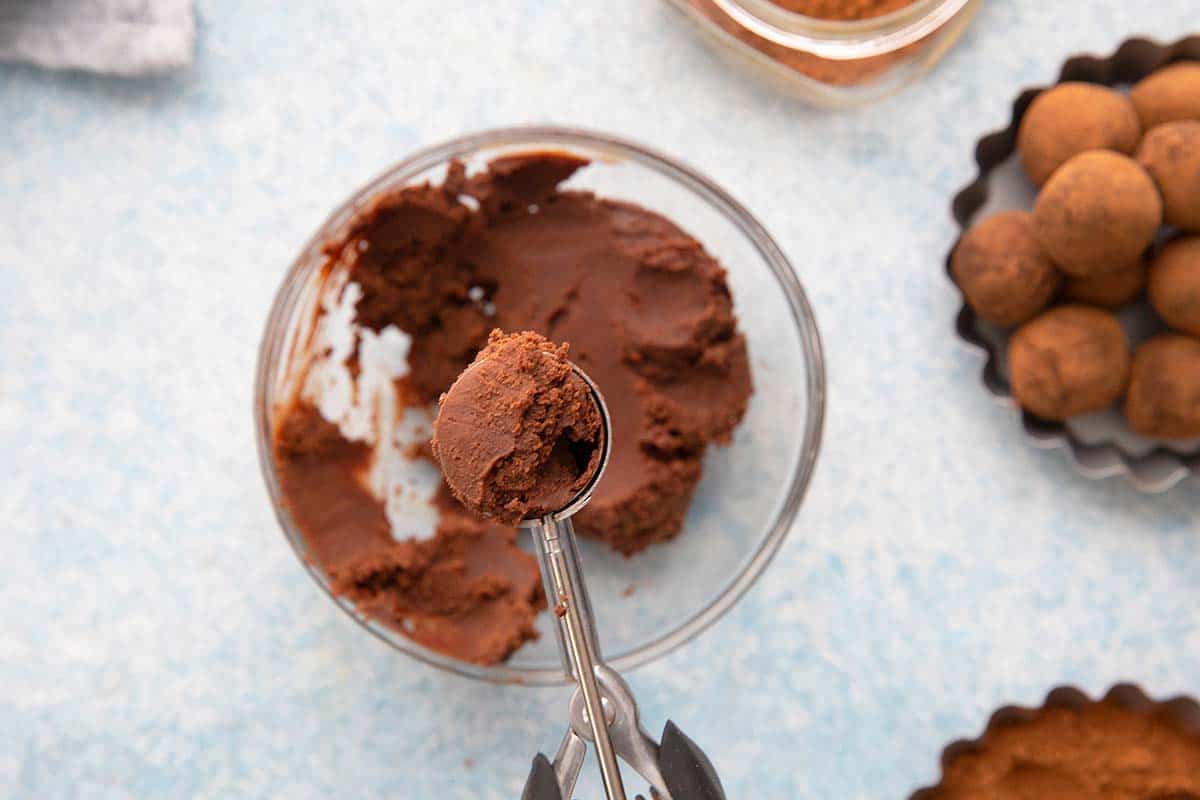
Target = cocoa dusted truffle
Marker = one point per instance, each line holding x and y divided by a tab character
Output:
1002	270
1172	93
1071	360
1109	290
519	434
1070	118
1174	284
1171	154
1164	388
1098	213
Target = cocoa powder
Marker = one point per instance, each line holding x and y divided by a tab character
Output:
843	10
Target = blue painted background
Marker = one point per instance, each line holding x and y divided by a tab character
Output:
157	638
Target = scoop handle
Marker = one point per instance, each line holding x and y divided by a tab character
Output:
558	557
686	772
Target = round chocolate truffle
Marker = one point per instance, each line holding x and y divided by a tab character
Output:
1174	284
1003	272
1171	154
519	434
1110	290
1172	93
1071	360
1098	213
1164	388
1068	119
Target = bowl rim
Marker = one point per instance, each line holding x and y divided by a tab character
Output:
276	339
728	26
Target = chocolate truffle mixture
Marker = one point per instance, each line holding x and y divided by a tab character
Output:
469	591
648	316
519	434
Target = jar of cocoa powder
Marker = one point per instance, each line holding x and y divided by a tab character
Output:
834	53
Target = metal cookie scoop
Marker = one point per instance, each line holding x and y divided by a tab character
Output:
602	710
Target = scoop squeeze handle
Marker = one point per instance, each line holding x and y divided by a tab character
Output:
686	771
542	783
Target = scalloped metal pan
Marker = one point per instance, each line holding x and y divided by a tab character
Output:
1096	446
1183	711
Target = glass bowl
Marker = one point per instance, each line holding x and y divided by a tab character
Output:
833	63
655	601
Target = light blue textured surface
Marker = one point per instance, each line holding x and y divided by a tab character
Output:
159	639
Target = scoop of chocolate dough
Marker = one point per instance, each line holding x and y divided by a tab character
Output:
1003	272
1169	94
1174	284
518	435
1110	290
1070	118
1171	154
1164	388
1071	360
1098	213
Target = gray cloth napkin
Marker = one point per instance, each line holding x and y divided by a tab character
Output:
117	37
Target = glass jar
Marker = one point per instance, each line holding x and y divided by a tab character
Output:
833	63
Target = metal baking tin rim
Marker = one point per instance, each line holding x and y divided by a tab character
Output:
1181	709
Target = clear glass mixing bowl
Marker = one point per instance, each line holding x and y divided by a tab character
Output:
745	505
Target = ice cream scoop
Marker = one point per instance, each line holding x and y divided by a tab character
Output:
524	436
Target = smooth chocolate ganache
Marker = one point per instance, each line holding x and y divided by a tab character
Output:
518	436
648	316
